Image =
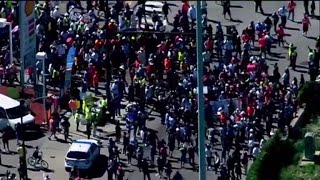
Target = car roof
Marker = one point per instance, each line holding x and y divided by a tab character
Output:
89	141
7	102
82	145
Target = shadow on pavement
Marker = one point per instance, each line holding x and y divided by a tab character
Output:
33	135
7	166
271	59
236	20
33	169
291	28
100	167
310	37
10	152
171	4
236	6
48	170
301	71
302	67
316	17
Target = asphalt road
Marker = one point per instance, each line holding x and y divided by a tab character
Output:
243	11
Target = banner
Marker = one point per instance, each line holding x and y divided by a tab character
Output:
69	64
27	25
215	105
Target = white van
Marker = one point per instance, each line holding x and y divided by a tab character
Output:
11	113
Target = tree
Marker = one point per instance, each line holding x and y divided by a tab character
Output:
310	96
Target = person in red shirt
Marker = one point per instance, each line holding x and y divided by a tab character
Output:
291	6
250	111
305	24
29	72
223	118
185	8
95	82
151	69
263	45
208	44
167	64
245	37
280	33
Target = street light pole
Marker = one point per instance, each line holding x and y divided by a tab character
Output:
201	120
43	56
11	43
24	160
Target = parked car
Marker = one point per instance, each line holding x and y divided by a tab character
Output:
82	154
11	113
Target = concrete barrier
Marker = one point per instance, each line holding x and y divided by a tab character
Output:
297	123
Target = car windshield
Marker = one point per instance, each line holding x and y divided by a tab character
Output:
77	155
17	112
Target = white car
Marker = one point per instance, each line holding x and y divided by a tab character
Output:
11	113
82	154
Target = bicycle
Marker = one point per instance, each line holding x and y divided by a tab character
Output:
32	161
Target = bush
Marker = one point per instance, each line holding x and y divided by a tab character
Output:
310	172
309	94
276	154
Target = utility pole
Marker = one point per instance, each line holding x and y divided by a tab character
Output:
201	120
23	164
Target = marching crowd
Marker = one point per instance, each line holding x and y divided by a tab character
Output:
163	73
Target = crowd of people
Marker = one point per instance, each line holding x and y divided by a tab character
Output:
146	68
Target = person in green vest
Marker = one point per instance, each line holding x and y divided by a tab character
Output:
2	13
104	107
83	107
77	119
292	56
88	114
104	102
9	4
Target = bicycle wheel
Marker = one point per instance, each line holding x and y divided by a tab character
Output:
31	161
44	164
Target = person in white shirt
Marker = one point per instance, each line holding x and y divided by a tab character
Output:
262	143
206	56
55	13
73	14
255	152
283	15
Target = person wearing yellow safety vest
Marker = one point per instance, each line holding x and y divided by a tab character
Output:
292	55
312	64
104	107
22	151
88	117
88	114
77	118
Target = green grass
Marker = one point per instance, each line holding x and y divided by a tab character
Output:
307	172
